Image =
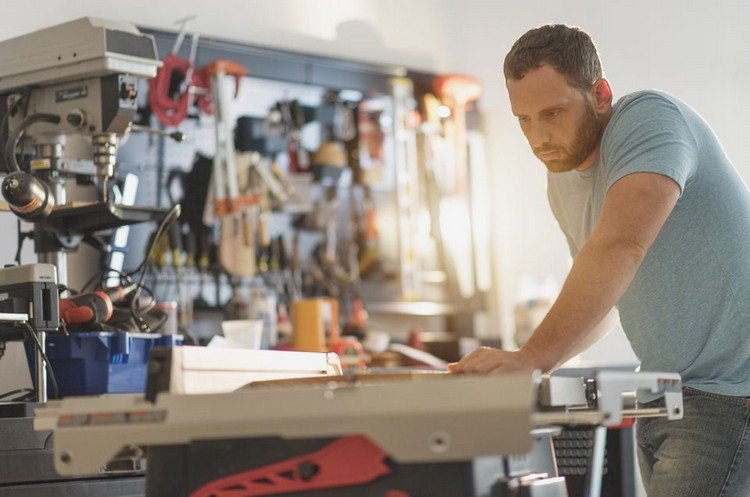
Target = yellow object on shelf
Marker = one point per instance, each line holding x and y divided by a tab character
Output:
315	324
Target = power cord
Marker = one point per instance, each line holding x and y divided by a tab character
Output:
28	394
144	267
19	245
15	136
22	100
47	364
171	217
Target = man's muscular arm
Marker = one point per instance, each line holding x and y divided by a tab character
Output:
634	211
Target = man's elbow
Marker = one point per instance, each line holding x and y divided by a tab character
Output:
636	249
626	249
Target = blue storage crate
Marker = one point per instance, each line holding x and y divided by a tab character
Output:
103	362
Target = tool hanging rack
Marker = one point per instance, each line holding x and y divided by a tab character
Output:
295	67
335	74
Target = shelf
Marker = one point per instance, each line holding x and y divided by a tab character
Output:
413	308
99	216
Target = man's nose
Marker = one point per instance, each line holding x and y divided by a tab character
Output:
538	136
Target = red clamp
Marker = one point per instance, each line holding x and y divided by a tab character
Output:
170	112
203	78
348	461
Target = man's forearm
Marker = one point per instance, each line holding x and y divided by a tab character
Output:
600	274
599	331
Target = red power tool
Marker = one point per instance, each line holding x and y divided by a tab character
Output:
85	310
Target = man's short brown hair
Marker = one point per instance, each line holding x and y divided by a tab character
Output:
566	48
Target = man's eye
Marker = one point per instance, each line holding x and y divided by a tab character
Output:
523	119
553	113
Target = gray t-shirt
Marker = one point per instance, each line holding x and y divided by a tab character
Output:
688	308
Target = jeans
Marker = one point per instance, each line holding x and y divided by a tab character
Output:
705	454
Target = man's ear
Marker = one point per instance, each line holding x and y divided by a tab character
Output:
601	91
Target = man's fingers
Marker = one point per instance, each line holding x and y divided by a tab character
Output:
500	369
479	353
508	368
479	361
486	365
468	362
488	360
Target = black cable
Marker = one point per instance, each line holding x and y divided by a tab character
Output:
171	216
159	324
27	391
12	109
126	279
20	242
47	364
98	276
6	118
63	328
144	267
15	137
123	277
138	312
101	275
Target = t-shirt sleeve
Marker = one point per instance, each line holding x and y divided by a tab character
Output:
572	247
650	135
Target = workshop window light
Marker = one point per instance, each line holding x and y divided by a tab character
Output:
117	194
116	262
424	221
351	95
455	226
480	210
423	238
121	234
121	237
129	189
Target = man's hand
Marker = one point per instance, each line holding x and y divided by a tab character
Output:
491	360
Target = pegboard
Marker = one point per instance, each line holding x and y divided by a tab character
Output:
274	75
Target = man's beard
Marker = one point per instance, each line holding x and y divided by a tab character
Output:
587	138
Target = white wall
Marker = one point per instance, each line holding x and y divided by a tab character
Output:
388	31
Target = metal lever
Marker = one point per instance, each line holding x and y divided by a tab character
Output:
612	384
177	136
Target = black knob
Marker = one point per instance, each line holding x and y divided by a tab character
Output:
75	119
127	91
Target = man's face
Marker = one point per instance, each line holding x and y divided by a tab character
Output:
558	120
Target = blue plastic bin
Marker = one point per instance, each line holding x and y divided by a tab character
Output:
103	362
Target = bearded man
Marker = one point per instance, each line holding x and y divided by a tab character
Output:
658	222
